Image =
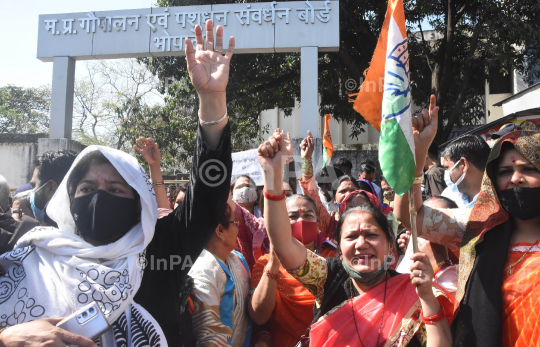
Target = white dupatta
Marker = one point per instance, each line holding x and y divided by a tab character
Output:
52	272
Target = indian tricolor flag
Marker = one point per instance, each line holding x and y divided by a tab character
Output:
384	100
328	147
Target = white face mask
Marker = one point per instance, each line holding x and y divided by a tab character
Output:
244	195
453	185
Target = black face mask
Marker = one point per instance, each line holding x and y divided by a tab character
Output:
521	203
102	216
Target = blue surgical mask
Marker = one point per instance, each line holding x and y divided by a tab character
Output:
38	213
453	185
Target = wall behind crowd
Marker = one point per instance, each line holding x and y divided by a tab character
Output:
356	154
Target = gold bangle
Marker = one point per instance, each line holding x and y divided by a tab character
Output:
158	184
419	179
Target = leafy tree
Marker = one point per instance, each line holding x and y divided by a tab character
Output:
24	110
475	36
478	37
106	98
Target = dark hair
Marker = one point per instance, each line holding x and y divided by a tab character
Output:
471	147
304	197
182	187
367	166
383	179
337	183
236	178
365	186
433	151
380	218
82	167
344	162
224	222
449	202
54	165
328	174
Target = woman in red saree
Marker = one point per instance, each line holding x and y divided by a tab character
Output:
357	288
498	291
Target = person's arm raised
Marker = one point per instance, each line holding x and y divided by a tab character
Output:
149	150
272	156
209	72
424	130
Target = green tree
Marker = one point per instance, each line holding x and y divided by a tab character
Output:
24	110
475	35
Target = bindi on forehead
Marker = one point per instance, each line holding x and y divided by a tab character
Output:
513	160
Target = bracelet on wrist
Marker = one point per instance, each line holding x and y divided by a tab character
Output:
419	179
441	266
270	274
214	122
307	167
158	184
430	320
273	197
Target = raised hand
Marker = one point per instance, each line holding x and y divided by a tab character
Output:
274	153
307	146
208	67
422	275
425	125
149	150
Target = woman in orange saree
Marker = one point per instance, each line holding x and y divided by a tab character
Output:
498	291
278	300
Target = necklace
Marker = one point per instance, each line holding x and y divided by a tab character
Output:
509	270
382	316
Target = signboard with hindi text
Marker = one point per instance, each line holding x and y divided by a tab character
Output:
257	27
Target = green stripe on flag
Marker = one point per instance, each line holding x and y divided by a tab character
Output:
396	157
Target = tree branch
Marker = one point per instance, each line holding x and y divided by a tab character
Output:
424	46
465	82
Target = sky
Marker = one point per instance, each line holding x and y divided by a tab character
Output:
19	27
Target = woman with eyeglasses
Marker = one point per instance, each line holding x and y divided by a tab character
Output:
221	277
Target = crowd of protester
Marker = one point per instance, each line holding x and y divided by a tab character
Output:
325	259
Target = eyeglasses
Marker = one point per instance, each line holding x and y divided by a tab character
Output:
237	223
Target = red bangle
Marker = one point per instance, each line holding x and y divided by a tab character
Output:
433	319
271	274
444	265
273	197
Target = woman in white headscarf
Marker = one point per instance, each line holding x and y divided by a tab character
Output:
107	237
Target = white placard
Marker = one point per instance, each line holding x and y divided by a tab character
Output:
246	163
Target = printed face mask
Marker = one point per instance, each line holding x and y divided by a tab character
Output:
304	231
102	216
453	185
521	203
244	195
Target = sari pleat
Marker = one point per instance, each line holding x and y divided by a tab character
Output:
521	298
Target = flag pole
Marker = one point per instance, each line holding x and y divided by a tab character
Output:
412	212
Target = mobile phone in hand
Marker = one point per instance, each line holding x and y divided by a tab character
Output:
87	322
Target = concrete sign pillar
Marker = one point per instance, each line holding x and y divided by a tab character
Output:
63	85
309	91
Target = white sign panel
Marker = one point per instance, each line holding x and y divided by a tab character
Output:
247	163
257	27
